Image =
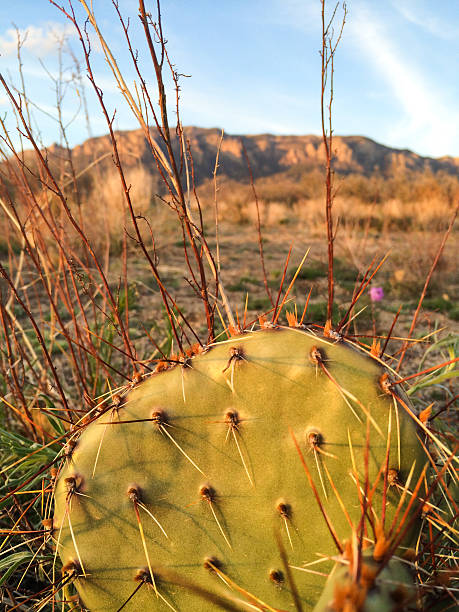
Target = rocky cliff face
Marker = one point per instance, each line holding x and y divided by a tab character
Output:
269	154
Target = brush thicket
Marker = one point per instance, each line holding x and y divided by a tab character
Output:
197	461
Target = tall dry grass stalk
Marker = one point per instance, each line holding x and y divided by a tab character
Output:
72	341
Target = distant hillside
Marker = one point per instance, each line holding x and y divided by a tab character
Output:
269	154
377	187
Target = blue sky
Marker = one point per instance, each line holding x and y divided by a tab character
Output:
255	67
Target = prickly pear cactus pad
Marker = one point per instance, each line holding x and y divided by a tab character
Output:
196	468
378	589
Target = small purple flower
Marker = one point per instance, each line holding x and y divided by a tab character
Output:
376	294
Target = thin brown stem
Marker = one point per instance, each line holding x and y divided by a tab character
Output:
426	284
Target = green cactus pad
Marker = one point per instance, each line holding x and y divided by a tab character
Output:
205	453
387	588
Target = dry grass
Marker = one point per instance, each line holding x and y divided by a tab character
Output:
387	216
364	231
89	306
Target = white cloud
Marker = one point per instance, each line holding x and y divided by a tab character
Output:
426	20
426	121
40	40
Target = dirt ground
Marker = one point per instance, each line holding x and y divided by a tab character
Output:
402	277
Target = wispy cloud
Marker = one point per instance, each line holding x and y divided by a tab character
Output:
40	40
426	121
426	19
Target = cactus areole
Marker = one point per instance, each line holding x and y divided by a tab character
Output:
195	470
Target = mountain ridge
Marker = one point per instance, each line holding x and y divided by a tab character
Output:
269	154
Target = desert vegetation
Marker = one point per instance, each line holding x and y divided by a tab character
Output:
139	259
